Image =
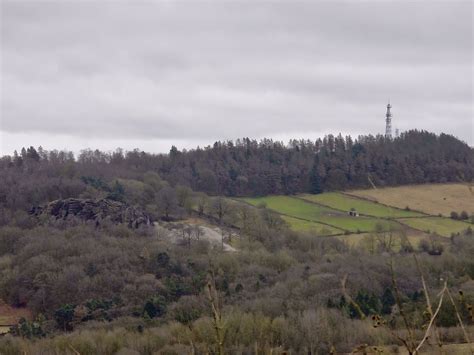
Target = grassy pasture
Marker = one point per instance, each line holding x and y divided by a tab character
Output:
291	206
300	225
307	212
344	202
438	225
432	199
359	224
295	207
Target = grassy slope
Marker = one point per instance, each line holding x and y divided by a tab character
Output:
359	224
329	208
438	225
301	225
345	203
296	207
290	206
432	199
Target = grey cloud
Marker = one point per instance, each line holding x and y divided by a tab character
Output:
209	70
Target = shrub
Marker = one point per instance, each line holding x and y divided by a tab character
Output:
464	216
155	307
64	317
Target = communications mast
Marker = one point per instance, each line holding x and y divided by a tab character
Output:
388	122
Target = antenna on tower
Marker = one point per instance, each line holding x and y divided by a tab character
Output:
388	121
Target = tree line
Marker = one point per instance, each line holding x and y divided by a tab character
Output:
245	167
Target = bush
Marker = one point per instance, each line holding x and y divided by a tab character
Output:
155	307
64	317
464	216
431	247
28	329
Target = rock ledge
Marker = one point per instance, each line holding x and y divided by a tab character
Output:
94	210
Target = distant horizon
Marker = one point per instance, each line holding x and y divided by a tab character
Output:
286	142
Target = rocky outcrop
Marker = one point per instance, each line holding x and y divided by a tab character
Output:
97	211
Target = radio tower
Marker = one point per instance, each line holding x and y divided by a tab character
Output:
388	122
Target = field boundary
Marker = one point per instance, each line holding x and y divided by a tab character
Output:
385	205
346	231
399	219
467	224
360	214
309	220
302	219
390	216
325	206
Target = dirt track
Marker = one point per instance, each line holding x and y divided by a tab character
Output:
209	233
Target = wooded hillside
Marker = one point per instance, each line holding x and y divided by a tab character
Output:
86	261
242	168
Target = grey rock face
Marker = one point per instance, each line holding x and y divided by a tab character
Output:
94	210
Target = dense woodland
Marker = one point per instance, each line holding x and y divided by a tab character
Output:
244	167
104	288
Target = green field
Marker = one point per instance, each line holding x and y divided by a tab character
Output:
311	212
359	224
344	202
438	225
301	225
327	213
291	206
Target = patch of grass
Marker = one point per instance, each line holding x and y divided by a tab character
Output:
290	206
345	203
438	225
430	198
360	224
300	225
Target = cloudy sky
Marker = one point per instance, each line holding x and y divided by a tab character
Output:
149	74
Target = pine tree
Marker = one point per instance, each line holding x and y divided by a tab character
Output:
315	179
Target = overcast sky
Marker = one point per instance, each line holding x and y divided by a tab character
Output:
145	74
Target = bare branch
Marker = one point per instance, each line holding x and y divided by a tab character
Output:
466	336
427	298
433	317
